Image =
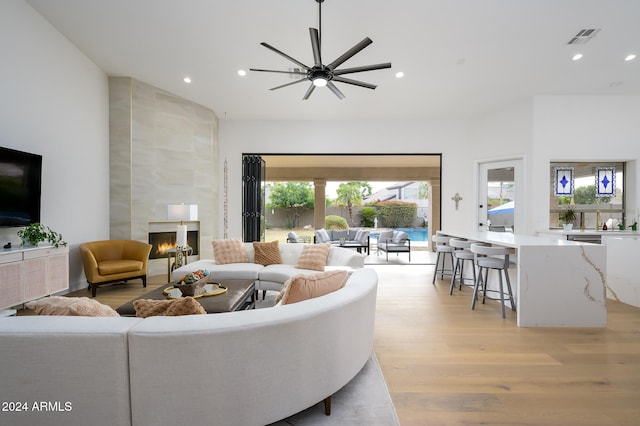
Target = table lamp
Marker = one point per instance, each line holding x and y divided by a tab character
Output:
182	212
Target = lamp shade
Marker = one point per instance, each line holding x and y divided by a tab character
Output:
182	212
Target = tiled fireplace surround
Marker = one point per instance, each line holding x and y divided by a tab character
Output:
162	150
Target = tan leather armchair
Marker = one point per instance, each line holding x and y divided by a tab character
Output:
112	261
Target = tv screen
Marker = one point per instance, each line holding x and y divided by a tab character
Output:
20	182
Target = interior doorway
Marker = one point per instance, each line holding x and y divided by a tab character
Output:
500	208
322	168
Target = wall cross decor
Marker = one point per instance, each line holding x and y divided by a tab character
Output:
457	199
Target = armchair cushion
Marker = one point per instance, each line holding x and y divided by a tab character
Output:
110	267
399	237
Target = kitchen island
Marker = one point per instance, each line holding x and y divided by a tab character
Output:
559	283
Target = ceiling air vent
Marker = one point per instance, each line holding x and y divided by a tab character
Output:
584	36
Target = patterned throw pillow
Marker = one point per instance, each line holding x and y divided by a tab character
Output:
322	236
267	253
171	308
302	287
229	251
314	256
71	306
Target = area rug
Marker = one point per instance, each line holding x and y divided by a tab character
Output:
365	400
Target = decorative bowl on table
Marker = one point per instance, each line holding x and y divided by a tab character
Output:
192	284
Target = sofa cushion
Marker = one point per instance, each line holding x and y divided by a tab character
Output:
71	306
175	307
399	237
385	235
236	271
302	287
267	253
336	234
322	236
110	267
281	273
229	251
314	256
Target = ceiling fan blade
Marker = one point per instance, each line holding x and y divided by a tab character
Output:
363	68
288	84
309	92
335	90
349	53
354	82
281	72
295	61
315	45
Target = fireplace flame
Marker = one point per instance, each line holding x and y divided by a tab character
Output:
163	247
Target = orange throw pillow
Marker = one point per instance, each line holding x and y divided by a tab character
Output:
302	287
267	253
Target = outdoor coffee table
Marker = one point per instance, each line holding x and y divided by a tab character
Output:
240	296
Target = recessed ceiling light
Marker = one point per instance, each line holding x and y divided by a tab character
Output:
577	56
399	74
242	73
630	57
187	79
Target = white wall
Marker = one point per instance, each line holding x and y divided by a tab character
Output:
54	102
449	138
583	128
506	134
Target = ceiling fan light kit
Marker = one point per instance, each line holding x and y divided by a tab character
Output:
321	75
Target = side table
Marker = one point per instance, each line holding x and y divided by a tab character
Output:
180	256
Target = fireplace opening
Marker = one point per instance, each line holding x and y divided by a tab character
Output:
163	241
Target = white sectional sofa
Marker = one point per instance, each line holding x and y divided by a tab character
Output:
271	277
239	368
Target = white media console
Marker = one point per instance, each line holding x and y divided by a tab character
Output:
30	273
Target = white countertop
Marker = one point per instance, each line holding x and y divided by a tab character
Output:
508	239
613	232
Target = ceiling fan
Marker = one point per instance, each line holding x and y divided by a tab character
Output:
321	75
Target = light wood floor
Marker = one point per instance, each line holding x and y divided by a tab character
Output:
447	365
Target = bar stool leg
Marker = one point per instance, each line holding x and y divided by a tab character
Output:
473	269
435	272
477	284
485	284
453	276
513	303
501	294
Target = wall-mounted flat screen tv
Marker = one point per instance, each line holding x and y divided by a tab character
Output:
20	184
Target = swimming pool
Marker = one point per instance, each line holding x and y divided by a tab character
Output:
415	234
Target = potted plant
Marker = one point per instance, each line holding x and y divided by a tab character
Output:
37	233
634	225
568	216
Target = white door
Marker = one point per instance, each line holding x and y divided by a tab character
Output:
499	183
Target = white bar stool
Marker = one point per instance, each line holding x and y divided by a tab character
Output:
442	247
496	258
461	253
